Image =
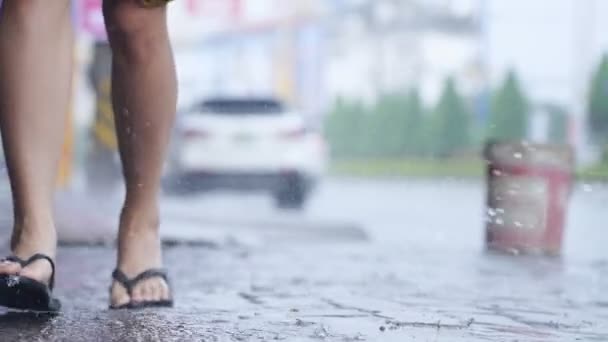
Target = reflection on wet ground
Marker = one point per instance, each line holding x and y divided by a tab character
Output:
428	280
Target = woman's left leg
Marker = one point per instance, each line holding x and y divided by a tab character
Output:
144	92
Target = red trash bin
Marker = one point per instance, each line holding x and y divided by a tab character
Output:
528	188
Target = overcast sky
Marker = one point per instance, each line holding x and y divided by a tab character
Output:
554	44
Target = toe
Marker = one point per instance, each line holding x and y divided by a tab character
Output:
139	292
153	291
8	267
150	290
165	293
158	290
119	295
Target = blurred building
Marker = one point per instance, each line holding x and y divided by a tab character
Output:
231	47
252	48
377	46
308	52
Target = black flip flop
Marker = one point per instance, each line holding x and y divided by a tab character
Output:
24	293
129	285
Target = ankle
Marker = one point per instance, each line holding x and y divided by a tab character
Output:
34	236
34	224
139	245
139	220
33	219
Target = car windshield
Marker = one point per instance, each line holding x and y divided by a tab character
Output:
241	107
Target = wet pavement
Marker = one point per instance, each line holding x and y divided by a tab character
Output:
367	261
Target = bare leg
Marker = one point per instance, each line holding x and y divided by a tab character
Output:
35	64
144	94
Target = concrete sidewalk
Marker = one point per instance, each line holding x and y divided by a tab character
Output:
351	292
292	279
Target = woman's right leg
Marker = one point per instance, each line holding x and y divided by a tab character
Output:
35	76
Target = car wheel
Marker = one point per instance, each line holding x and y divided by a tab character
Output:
292	195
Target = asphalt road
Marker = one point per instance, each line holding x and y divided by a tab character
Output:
367	261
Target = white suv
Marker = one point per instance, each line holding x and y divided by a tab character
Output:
246	144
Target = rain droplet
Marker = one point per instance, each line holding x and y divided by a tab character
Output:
359	337
497	173
518	224
499	221
321	332
518	155
12	281
491	212
587	188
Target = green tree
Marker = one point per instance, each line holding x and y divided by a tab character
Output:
395	125
414	137
509	112
383	134
451	124
558	124
598	104
390	125
345	129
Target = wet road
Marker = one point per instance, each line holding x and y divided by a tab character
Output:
418	273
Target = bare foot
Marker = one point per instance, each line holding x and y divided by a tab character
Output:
139	249
27	240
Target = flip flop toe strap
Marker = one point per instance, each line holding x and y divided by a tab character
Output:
33	258
130	283
15	259
40	256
